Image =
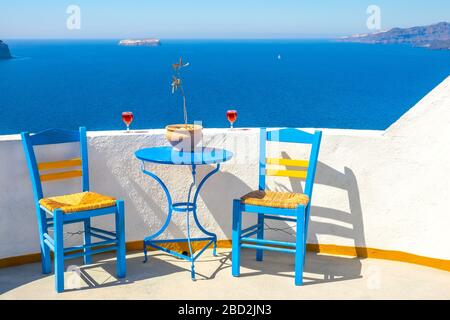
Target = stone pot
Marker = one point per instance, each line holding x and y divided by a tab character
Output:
184	137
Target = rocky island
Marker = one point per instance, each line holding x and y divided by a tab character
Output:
143	42
436	36
4	51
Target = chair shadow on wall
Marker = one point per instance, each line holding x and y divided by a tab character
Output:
318	267
336	268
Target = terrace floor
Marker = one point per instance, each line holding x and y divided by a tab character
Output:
165	277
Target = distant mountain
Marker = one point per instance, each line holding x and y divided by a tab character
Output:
436	36
4	51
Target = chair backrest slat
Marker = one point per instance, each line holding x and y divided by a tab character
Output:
290	135
288	162
59	164
303	169
49	137
287	173
61	175
54	136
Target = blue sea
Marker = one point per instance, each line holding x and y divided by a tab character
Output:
269	82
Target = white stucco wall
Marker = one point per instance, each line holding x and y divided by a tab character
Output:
380	189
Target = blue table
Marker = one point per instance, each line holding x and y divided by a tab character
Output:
170	156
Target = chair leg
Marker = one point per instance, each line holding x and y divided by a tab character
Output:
120	233
45	250
87	241
59	250
260	236
300	247
236	238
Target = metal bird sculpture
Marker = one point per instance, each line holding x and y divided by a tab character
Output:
180	64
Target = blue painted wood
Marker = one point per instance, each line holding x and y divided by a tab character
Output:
280	218
50	220
88	214
262	159
105	232
313	159
49	212
300	247
87	259
254	227
84	159
45	250
259	247
260	236
48	238
32	166
54	136
268	242
262	210
90	246
50	245
57	136
290	135
261	186
99	236
249	234
93	252
58	250
235	238
120	231
300	215
168	155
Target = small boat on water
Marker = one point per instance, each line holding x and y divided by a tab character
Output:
140	42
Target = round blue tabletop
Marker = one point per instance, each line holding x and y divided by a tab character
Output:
168	155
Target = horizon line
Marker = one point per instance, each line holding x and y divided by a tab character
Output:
137	38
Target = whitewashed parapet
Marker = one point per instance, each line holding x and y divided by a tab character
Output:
379	189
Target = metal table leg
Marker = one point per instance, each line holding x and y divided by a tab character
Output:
187	207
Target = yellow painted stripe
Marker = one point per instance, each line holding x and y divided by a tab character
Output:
59	164
373	253
61	175
360	252
288	162
286	173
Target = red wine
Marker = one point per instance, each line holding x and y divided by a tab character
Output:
127	117
232	116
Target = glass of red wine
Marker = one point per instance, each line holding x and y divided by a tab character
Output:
231	116
127	118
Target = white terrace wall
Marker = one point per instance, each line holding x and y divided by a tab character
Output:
380	189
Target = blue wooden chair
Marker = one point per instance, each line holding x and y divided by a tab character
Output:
284	206
72	208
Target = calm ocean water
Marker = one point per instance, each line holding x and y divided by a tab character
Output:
313	84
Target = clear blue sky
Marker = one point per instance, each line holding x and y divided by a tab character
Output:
211	18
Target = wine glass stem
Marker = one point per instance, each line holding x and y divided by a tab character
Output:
231	125
128	127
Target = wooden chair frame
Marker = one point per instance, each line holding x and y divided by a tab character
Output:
300	214
111	241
